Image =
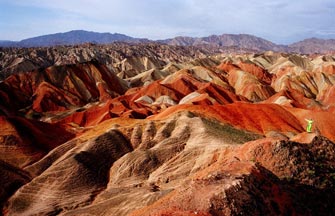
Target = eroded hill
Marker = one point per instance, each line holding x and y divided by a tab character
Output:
214	135
127	59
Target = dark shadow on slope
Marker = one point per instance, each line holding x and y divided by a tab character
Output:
11	179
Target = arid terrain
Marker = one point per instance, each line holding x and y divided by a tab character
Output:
152	129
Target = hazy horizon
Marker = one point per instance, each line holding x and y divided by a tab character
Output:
279	21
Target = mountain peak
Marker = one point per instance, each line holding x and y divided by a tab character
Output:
76	37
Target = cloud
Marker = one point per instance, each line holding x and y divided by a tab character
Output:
326	32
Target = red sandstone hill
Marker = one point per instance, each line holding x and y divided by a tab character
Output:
221	135
25	141
60	88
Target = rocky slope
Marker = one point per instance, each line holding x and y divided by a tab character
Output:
242	41
214	135
256	44
313	45
126	59
60	88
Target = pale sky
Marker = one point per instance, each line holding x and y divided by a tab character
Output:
280	21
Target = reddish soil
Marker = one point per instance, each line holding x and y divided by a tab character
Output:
260	118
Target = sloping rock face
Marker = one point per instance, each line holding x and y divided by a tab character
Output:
102	171
219	135
84	173
260	118
61	88
257	179
24	141
11	179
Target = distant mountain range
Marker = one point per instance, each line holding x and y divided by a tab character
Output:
71	38
243	41
313	45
